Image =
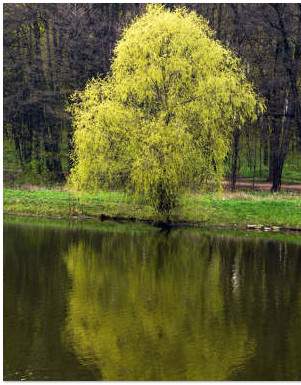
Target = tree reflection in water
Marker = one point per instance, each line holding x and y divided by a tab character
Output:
130	302
164	307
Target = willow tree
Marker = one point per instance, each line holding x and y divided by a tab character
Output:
161	122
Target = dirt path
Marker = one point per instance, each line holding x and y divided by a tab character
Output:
262	186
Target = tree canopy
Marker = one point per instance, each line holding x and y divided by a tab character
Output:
161	121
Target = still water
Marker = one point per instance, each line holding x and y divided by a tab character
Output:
128	302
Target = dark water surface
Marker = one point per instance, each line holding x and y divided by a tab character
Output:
127	302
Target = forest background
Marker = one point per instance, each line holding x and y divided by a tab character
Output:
51	50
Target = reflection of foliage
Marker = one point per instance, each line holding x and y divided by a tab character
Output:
153	309
34	312
145	304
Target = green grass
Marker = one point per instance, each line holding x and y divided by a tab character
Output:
224	209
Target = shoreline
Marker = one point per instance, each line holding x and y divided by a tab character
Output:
161	224
256	212
78	225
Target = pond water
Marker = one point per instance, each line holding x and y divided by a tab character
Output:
129	302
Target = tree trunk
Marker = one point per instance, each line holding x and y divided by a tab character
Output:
235	152
277	173
282	134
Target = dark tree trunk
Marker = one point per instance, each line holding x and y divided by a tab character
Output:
292	58
271	159
235	153
277	174
265	152
50	69
276	157
281	138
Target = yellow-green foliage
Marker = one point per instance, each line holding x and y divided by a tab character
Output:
161	122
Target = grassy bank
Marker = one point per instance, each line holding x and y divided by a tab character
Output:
225	209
